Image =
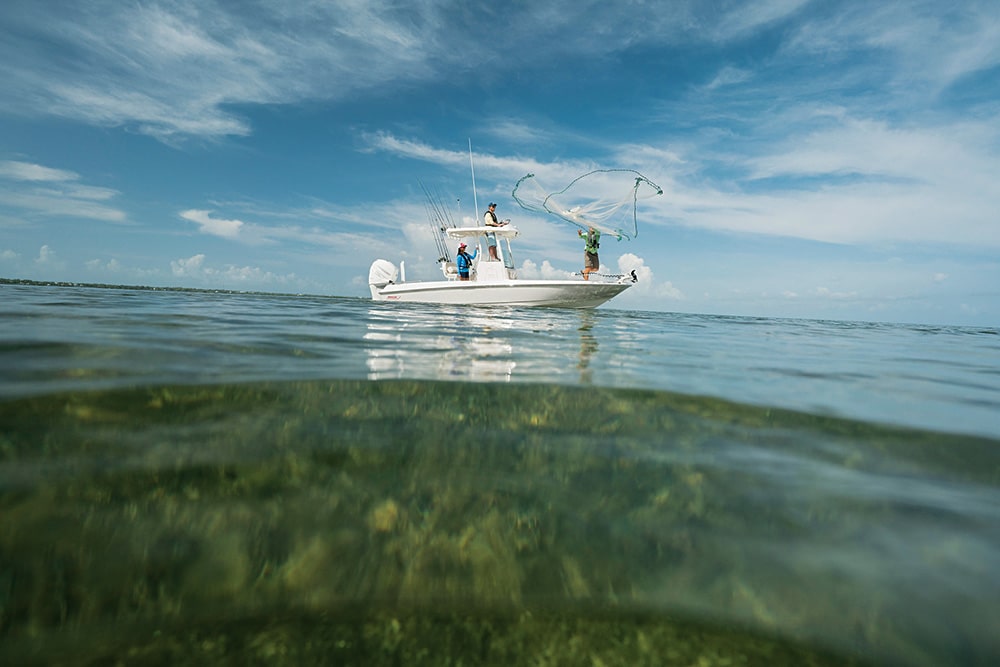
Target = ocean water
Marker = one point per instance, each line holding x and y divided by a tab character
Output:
217	478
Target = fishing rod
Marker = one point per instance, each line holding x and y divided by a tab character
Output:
475	200
440	220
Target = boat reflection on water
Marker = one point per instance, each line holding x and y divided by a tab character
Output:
403	343
487	344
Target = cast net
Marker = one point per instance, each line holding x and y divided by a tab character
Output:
605	199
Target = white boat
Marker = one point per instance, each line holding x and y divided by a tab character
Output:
491	282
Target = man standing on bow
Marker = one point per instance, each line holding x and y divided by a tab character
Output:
591	262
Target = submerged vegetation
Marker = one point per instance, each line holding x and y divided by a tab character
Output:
413	523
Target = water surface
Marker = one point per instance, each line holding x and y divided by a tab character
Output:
230	478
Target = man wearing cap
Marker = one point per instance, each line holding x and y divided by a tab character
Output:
463	261
490	218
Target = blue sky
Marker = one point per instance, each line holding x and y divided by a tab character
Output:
824	159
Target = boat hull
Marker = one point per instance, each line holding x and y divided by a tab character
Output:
552	293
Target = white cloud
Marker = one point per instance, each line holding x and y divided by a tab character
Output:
925	47
229	229
26	171
746	17
852	181
61	204
60	195
179	68
113	269
254	275
728	76
230	276
647	284
630	262
826	293
100	265
45	255
9	255
516	130
531	271
188	268
89	192
172	69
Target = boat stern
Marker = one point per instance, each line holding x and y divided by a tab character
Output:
382	273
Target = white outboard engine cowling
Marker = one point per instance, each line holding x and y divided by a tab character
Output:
381	274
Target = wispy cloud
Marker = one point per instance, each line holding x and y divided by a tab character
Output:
855	182
171	69
925	46
510	167
743	18
518	131
54	192
729	76
176	69
26	171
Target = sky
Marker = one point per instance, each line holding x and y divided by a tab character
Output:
818	159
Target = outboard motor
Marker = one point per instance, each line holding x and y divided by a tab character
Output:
382	273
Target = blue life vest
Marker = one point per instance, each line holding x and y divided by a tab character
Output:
464	260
